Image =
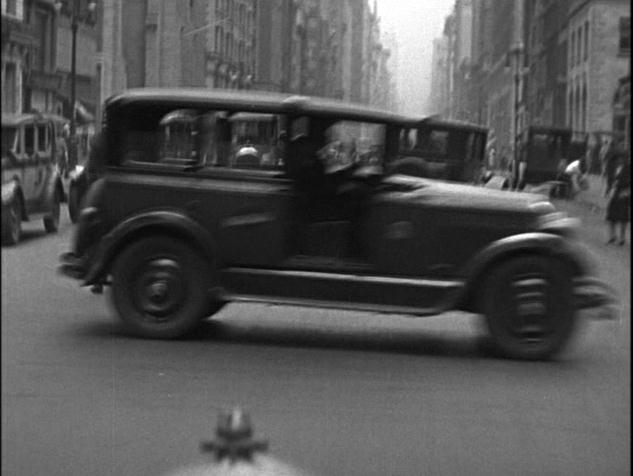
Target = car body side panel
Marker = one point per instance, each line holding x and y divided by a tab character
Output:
423	234
246	216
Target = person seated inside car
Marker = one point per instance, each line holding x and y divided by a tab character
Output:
323	172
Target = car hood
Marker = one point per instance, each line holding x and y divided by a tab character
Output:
462	196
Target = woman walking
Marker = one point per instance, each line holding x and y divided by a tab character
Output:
619	205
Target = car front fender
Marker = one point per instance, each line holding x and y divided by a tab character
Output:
171	222
9	190
543	244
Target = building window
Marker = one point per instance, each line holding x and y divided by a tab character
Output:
218	39
584	107
579	45
41	25
9	88
625	35
12	7
586	40
572	50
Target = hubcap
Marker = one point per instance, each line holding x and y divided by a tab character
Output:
159	290
530	297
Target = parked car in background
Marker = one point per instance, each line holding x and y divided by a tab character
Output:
544	153
329	226
441	149
31	184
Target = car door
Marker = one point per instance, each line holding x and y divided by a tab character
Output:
28	160
253	218
41	161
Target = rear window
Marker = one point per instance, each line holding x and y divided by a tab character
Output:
200	138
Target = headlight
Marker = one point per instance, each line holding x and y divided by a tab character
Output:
542	207
558	223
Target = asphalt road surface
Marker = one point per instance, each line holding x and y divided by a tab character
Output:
335	393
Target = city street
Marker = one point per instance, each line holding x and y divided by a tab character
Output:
335	393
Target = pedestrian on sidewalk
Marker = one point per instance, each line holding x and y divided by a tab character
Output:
610	164
576	176
619	205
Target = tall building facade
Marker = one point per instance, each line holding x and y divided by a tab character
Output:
438	97
152	43
36	57
599	55
556	63
271	44
231	43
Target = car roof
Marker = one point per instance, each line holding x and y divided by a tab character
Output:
252	101
11	119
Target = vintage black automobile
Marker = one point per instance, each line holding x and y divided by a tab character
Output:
544	152
327	226
31	184
441	149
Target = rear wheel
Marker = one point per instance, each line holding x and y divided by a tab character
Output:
160	287
73	202
51	221
12	222
527	302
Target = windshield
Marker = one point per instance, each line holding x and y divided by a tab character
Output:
9	139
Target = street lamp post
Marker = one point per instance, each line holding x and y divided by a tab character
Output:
514	56
75	16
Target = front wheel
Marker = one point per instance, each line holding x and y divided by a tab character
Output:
160	287
51	221
73	202
11	223
527	302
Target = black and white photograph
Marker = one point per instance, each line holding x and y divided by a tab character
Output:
316	237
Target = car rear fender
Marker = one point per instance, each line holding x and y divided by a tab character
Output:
536	243
167	222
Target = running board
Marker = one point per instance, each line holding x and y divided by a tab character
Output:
352	291
343	306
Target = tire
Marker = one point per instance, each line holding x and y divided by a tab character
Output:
160	287
542	289
73	203
51	221
12	223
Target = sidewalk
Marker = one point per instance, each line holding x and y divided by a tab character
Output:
594	197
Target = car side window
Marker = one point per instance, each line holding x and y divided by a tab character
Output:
255	141
42	138
350	142
29	139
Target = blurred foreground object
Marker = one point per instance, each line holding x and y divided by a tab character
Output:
236	453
